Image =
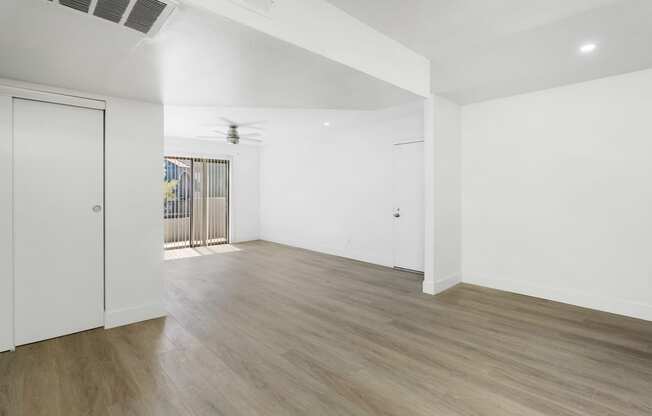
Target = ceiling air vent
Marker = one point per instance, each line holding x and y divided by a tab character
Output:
111	10
145	16
81	5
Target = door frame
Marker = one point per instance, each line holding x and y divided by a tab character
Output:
12	93
403	143
229	199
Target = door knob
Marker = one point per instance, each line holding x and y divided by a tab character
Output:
397	213
97	208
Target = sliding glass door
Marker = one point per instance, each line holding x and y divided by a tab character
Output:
196	202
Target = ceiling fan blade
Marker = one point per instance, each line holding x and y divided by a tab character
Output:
229	122
220	132
239	128
249	135
210	137
243	140
251	124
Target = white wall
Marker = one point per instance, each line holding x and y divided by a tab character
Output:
329	189
557	198
443	196
245	180
6	243
134	211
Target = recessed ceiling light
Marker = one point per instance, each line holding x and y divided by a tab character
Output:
327	123
588	47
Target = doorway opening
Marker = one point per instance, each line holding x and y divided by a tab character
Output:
196	202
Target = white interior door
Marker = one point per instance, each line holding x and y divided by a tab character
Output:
409	228
58	220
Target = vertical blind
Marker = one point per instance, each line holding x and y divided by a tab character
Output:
196	202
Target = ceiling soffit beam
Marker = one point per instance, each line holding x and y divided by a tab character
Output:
322	28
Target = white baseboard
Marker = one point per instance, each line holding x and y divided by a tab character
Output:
447	283
330	252
623	307
433	288
132	315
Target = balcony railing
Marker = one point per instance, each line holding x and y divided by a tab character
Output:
203	219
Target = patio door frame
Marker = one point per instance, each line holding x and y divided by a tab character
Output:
193	159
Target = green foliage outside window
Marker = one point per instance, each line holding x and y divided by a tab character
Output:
170	190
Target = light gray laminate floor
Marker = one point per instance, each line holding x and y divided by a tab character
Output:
273	330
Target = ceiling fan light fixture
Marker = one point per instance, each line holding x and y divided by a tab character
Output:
233	137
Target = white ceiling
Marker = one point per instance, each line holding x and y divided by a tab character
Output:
196	122
479	50
482	49
197	59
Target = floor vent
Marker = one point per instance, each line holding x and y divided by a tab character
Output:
145	16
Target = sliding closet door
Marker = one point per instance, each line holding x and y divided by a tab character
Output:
58	219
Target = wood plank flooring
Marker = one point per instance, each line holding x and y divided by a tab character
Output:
273	330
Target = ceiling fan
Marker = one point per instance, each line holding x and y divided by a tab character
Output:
233	135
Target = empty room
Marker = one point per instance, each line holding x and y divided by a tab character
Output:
311	207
